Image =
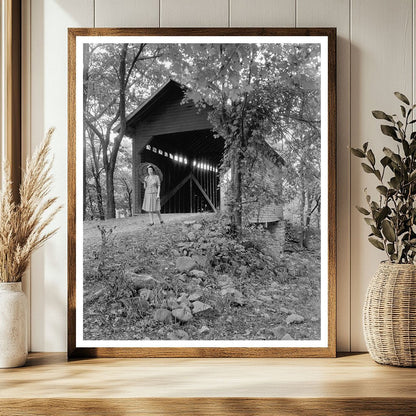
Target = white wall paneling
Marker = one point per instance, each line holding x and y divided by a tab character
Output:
126	13
262	13
193	13
48	68
381	63
375	58
335	13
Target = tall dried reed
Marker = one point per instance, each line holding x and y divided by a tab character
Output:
24	225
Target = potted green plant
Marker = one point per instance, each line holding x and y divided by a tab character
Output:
389	316
23	229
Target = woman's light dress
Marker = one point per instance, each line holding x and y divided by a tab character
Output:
151	203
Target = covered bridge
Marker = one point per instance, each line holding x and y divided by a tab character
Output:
178	138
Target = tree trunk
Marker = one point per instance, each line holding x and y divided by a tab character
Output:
111	203
86	53
302	212
306	228
236	185
99	199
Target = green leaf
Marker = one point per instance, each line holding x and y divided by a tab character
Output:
378	174
402	97
393	156
385	161
406	147
388	230
365	145
390	248
394	182
376	231
389	131
357	152
376	243
412	176
382	189
367	169
382	214
362	210
381	115
371	158
369	221
403	111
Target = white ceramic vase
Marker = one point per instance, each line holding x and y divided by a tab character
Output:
13	325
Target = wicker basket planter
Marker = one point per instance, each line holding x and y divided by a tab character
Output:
390	315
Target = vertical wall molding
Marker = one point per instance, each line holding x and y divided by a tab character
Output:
13	91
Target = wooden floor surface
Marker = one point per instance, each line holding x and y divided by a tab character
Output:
347	385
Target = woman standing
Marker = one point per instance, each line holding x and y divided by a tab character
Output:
151	201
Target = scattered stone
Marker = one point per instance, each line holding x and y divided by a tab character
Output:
285	310
141	281
196	281
243	270
279	332
182	314
197	226
236	296
287	337
295	319
203	330
200	260
181	334
185	264
225	281
145	293
182	298
191	236
94	296
195	296
172	304
200	307
189	222
162	315
198	273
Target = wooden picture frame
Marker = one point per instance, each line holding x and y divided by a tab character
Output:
105	348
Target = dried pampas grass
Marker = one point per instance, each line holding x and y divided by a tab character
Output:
23	225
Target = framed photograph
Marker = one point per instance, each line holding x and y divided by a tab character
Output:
201	192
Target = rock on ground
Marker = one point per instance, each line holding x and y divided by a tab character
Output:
141	281
182	314
94	296
185	264
162	315
295	319
198	273
200	307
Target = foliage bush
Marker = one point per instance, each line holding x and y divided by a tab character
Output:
392	216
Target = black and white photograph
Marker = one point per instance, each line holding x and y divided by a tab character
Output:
202	200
